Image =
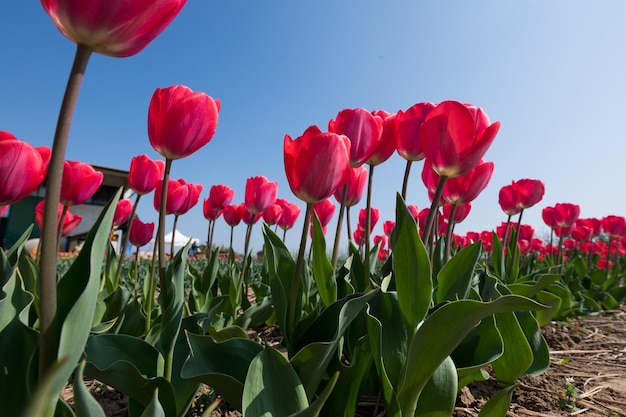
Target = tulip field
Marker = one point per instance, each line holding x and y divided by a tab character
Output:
410	318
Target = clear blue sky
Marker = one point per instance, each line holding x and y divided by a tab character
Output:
553	73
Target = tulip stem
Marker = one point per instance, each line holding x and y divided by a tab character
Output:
118	272
149	297
161	232
368	225
449	234
297	275
405	182
349	229
172	245
48	260
342	208
432	213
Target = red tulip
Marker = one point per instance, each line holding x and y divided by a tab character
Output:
414	210
461	212
249	218
374	216
260	194
594	224
565	214
409	131
181	196
220	196
614	226
80	182
232	214
316	164
181	121
272	214
144	174
22	168
387	141
356	186
528	192
70	222
325	210
455	137
380	239
192	198
291	211
507	200
112	27
464	188
122	211
140	233
388	227
581	233
210	213
362	128
359	236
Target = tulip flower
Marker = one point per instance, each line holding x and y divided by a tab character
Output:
220	196
362	128
112	27
177	195
409	143
70	221
388	227
455	137
374	216
80	182
316	164
290	214
507	200
144	174
210	213
22	168
614	226
122	212
325	210
461	211
193	196
355	187
232	214
260	194
409	131
387	141
140	233
272	214
181	121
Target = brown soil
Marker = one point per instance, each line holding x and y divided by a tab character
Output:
587	377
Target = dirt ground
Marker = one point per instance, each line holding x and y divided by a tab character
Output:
587	377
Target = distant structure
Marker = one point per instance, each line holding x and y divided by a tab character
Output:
22	214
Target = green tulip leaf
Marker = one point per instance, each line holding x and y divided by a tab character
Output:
272	387
316	407
455	278
223	366
18	346
322	339
499	404
411	267
45	397
518	355
482	345
281	268
349	378
174	300
441	333
85	404
77	293
439	394
130	365
553	301
322	267
154	409
536	341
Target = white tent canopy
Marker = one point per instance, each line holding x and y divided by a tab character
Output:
179	239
